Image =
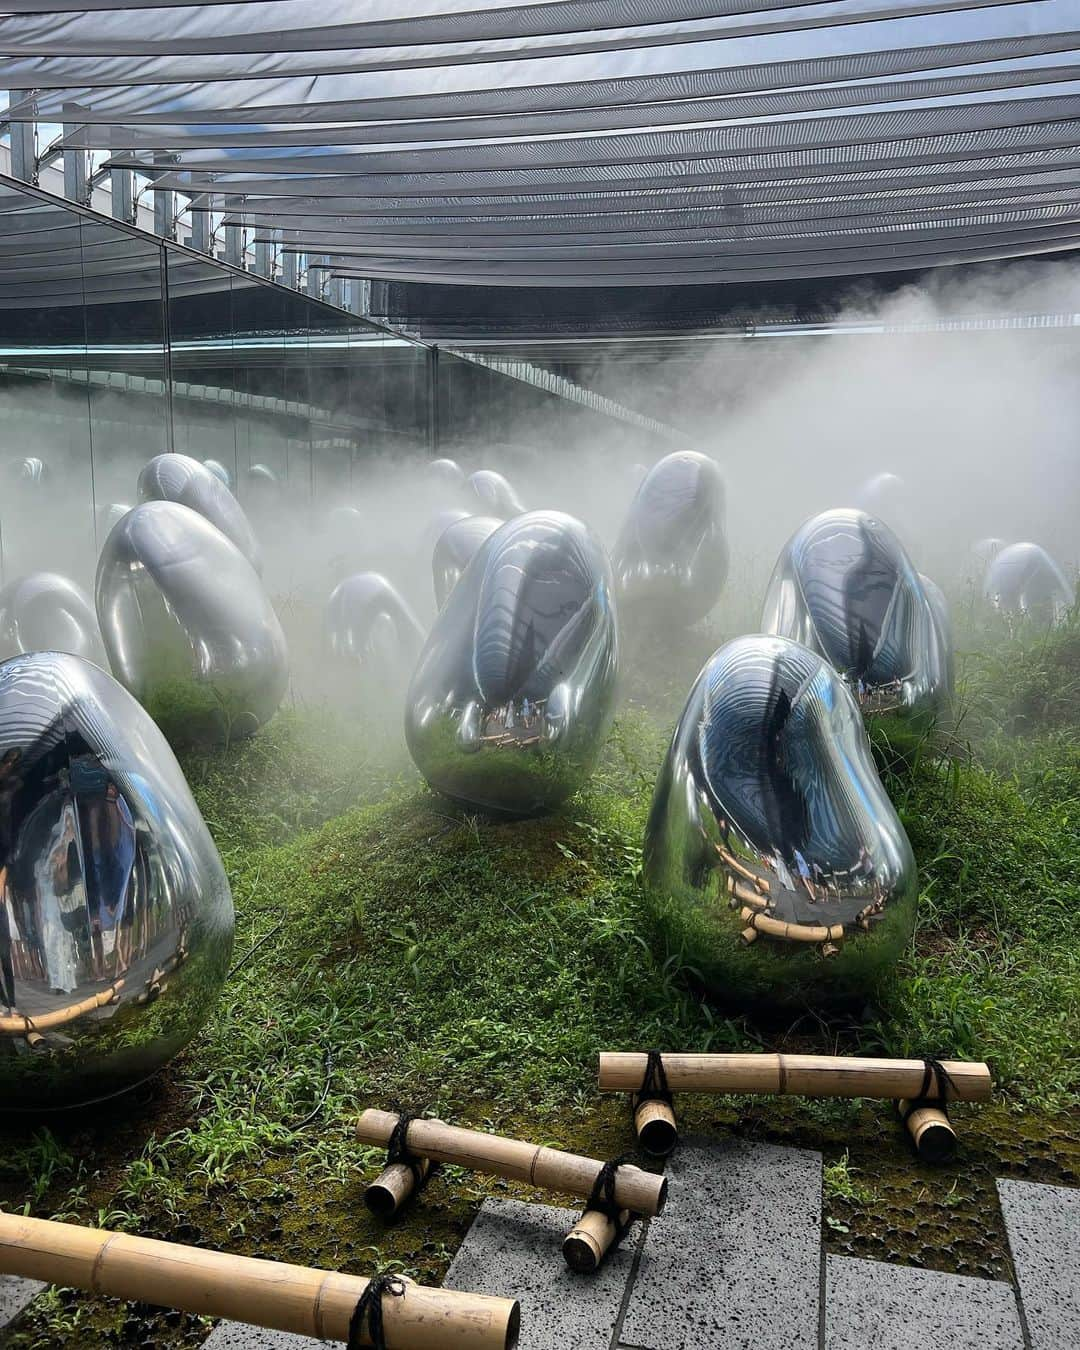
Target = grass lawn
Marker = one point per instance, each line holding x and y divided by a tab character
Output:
391	951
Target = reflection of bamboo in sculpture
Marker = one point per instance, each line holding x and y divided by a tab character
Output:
802	1075
746	894
295	1299
792	932
762	883
547	1168
20	1024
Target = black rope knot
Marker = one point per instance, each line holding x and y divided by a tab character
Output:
937	1076
368	1313
602	1199
654	1085
397	1149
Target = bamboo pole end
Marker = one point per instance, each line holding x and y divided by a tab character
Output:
656	1127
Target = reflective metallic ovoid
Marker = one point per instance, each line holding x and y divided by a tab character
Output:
671	558
116	922
47	612
370	625
493	494
943	617
515	687
844	587
772	852
179	478
1025	582
988	548
446	474
188	626
886	496
219	471
454	550
109	514
29	471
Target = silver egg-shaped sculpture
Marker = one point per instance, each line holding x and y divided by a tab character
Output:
987	548
446	474
514	690
369	625
47	612
671	557
30	471
179	478
116	921
109	514
845	587
188	627
885	495
454	550
939	605
773	856
1024	582
493	494
219	471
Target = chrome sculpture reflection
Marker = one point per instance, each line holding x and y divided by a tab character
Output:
885	496
370	625
939	606
29	472
1023	581
179	478
772	851
447	475
116	922
454	550
515	686
986	549
844	587
187	625
671	558
46	612
109	514
219	471
493	494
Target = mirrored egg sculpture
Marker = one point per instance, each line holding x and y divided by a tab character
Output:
219	471
371	626
773	855
46	612
844	587
1025	582
885	495
515	687
446	474
939	604
671	558
29	472
987	548
179	478
493	494
116	922
109	514
188	627
454	550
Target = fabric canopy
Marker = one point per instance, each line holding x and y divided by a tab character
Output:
578	142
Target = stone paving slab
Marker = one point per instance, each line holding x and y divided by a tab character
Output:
241	1336
1043	1225
514	1250
869	1303
734	1261
15	1294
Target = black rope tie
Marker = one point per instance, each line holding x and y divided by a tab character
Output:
397	1149
654	1085
936	1075
602	1199
368	1314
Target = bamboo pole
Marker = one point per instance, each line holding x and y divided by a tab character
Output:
747	895
655	1126
931	1131
393	1186
590	1239
762	883
801	1075
20	1024
547	1168
270	1294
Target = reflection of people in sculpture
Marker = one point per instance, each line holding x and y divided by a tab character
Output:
109	843
62	898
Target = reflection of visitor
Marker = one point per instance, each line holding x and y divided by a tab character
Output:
804	873
61	896
109	843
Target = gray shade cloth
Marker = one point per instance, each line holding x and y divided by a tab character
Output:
571	142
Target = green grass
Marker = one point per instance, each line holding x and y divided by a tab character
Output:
394	951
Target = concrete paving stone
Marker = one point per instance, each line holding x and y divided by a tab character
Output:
514	1250
241	1336
869	1303
15	1294
1043	1225
734	1261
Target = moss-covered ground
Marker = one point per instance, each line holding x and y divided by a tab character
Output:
393	951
